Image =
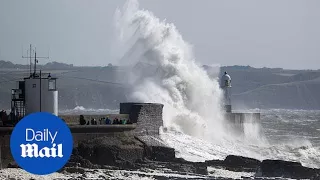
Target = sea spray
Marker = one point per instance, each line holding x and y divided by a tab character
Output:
191	98
163	70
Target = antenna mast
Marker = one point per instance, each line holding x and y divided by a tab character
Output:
35	60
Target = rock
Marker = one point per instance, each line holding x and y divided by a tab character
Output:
127	165
108	151
215	163
189	168
156	150
75	151
102	177
286	169
201	170
13	165
236	163
160	153
75	170
78	161
73	164
180	160
239	163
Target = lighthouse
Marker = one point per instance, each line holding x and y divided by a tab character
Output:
226	87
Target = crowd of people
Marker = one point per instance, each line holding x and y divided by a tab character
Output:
103	120
13	118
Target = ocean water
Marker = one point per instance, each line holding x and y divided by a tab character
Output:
291	135
284	134
292	125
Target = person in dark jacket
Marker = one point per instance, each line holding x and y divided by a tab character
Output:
82	120
116	121
108	121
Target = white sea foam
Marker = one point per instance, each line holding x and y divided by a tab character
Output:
191	98
83	110
146	174
19	174
194	149
229	174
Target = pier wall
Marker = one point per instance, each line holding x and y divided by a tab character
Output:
79	133
5	153
237	121
146	118
241	118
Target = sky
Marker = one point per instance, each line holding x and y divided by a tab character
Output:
265	33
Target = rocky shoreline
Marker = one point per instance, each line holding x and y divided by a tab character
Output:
267	169
134	155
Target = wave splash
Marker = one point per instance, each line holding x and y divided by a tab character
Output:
191	98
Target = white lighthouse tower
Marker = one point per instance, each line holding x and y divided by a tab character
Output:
226	86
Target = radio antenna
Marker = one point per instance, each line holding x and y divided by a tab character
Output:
35	59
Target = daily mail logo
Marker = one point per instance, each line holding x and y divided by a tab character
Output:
32	150
41	143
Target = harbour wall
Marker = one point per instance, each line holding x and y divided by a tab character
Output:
236	122
146	120
147	117
79	134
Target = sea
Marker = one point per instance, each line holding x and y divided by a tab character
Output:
285	134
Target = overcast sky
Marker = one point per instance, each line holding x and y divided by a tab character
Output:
265	33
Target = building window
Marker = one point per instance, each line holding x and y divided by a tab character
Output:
52	85
34	85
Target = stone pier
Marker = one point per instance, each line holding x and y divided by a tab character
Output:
146	120
237	121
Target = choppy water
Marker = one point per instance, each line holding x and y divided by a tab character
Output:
283	134
292	125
